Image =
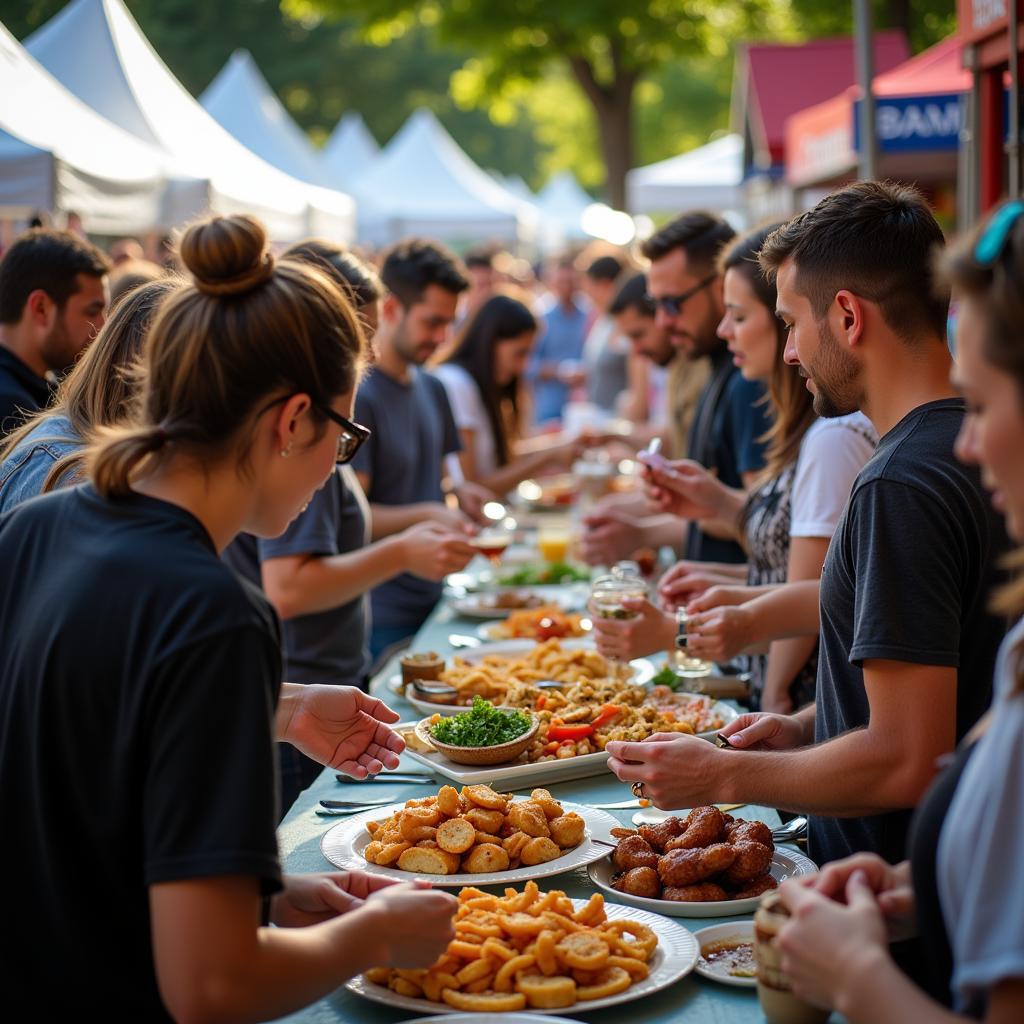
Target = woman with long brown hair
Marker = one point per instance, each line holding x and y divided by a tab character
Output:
960	889
786	521
140	678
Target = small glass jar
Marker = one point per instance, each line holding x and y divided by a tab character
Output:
608	592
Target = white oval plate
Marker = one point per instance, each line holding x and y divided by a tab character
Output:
675	957
785	864
343	846
485	1018
739	931
569	597
488	631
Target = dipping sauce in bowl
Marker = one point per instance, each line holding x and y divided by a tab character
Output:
733	957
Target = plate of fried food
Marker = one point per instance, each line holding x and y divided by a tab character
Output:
477	835
541	952
505	601
707	864
545	622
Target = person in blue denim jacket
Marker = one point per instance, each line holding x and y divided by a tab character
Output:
44	453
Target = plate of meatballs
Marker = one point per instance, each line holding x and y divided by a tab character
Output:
707	864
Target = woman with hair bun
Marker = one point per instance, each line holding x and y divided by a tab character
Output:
140	678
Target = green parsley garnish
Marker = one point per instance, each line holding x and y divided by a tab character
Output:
535	575
666	677
483	725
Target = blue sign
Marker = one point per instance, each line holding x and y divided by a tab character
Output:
914	124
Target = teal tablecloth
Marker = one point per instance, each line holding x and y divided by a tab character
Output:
692	999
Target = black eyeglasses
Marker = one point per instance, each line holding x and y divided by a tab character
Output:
673	304
352	434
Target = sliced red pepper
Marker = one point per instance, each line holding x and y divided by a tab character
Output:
608	712
540	702
570	732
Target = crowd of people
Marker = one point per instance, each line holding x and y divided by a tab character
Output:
228	489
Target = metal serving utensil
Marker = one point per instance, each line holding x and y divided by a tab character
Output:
411	777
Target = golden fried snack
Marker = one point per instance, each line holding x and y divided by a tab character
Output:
372	850
658	835
754	831
609	982
539	851
506	973
547	803
752	860
484	796
584	950
703	828
484	1002
426	861
567	830
485	821
755	887
485	859
544	951
639	882
637	969
705	892
514	844
593	913
634	852
404	987
448	801
621	833
416	823
643	943
547	993
529	817
389	854
456	835
686	867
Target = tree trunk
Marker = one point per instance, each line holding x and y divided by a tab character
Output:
613	107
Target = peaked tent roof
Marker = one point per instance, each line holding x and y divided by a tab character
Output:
58	154
95	48
350	150
241	101
709	177
423	183
563	200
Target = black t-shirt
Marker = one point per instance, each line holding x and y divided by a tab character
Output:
21	391
413	430
138	683
907	578
730	418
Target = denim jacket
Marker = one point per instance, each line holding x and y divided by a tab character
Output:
24	471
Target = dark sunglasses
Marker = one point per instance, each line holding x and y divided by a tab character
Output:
673	304
992	241
352	434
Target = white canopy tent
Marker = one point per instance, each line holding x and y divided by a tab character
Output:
241	101
95	48
422	183
708	178
350	150
58	154
562	202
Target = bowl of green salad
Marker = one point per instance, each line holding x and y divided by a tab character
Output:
483	735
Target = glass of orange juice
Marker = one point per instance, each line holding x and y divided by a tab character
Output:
553	537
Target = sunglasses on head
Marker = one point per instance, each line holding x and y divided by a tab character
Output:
992	241
352	434
673	304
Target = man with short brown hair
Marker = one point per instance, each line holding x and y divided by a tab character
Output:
53	299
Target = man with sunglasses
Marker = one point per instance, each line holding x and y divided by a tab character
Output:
730	418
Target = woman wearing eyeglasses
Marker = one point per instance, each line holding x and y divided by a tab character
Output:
960	890
787	518
140	678
317	573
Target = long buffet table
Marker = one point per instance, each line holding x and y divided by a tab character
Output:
692	999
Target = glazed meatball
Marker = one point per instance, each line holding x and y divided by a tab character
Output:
755	887
686	867
752	831
752	860
634	852
639	882
704	827
662	833
705	892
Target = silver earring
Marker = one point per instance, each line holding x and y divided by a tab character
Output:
285	452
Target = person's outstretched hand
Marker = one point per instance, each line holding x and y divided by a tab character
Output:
344	728
310	899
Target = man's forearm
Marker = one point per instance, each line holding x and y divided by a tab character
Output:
851	776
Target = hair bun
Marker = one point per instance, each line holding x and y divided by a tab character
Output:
227	255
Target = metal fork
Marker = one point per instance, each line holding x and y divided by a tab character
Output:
340	808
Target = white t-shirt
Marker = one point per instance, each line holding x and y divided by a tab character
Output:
470	414
833	452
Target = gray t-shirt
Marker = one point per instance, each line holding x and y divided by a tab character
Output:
907	578
413	430
329	646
